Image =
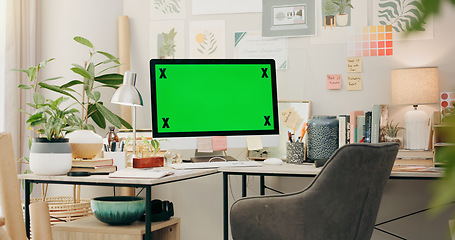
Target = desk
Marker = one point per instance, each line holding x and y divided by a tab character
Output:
290	170
100	180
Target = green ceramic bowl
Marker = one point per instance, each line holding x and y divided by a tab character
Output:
118	210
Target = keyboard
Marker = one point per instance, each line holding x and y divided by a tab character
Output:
199	165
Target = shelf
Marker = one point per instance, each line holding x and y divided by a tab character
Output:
91	228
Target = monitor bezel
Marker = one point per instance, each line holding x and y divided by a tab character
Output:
156	134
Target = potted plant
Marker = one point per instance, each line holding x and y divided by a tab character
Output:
93	77
391	132
167	49
329	9
147	152
342	17
50	153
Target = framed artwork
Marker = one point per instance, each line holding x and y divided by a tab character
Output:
288	18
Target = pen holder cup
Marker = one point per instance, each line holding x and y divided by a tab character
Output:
119	159
295	152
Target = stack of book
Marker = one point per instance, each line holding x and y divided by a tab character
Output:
94	165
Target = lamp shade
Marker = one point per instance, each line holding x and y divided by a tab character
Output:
127	94
415	86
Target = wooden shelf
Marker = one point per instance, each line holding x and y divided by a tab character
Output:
91	228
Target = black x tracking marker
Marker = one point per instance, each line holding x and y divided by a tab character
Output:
264	73
163	75
267	121
165	123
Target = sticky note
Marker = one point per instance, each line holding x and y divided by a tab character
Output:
354	83
204	144
289	117
219	143
333	81
354	65
254	143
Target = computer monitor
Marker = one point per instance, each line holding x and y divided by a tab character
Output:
192	98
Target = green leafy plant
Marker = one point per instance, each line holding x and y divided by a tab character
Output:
391	129
429	8
342	5
145	147
168	47
401	14
93	76
48	119
329	8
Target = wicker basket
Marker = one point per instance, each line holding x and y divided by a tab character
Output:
65	209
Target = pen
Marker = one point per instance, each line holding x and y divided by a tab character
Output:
290	136
302	134
113	146
122	144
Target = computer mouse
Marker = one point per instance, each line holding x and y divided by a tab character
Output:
273	161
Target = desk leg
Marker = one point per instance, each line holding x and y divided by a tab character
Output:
225	206
148	212
262	184
243	185
27	207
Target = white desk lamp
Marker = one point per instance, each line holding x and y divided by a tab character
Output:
128	95
415	86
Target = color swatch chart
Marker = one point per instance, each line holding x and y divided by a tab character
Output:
370	41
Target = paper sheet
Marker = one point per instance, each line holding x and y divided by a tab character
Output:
219	143
289	117
204	144
254	142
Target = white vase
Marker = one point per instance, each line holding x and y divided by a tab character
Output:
50	157
342	20
85	143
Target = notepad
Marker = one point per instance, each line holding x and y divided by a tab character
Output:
141	173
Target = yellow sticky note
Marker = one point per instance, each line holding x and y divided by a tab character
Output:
204	144
289	117
354	83
254	143
354	65
219	143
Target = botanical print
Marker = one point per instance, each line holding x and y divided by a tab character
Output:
166	44
167	39
207	43
168	6
207	39
167	9
399	13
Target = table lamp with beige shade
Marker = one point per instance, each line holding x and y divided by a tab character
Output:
415	86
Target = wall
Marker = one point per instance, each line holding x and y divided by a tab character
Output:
198	201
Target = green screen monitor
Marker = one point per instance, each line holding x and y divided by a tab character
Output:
213	97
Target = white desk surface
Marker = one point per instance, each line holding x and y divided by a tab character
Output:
284	169
311	170
177	176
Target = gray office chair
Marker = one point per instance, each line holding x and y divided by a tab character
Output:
341	202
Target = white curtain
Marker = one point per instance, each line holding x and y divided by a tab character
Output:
18	45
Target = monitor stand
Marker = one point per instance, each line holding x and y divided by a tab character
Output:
216	156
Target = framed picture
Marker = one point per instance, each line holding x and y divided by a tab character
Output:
288	18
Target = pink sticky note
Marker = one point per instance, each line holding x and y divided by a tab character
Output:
333	81
219	143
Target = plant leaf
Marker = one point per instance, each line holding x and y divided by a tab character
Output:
110	56
108	115
71	83
82	72
110	79
83	41
125	123
38	98
24	86
57	89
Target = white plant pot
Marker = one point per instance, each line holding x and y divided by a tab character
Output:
85	143
342	20
50	157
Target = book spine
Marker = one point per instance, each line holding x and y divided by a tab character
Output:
342	130
368	127
375	124
353	123
348	129
360	128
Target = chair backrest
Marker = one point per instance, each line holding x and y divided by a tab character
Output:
10	200
346	194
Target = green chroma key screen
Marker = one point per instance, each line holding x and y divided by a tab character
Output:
210	97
